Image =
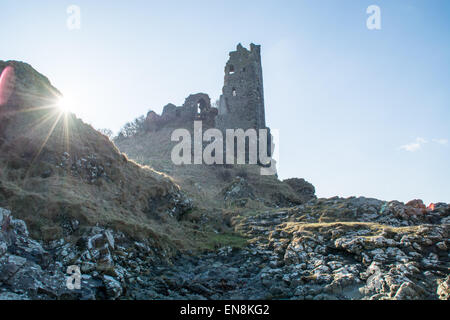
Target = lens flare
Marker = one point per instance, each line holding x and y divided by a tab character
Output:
66	104
7	81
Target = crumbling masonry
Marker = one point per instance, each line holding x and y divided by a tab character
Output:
242	101
241	104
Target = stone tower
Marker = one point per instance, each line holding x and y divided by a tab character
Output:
242	101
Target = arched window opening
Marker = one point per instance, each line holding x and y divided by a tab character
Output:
201	106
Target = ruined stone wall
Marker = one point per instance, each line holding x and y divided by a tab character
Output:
196	107
242	100
241	105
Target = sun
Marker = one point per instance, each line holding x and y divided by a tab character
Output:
66	104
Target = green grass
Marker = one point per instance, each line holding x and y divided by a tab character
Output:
218	240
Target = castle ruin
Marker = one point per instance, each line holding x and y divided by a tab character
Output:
241	104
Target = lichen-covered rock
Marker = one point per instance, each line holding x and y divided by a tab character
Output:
355	248
443	289
29	269
238	192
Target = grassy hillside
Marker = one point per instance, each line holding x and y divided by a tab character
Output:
58	173
205	183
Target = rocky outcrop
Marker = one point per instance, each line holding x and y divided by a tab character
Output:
238	192
107	262
303	189
295	254
354	248
27	270
26	87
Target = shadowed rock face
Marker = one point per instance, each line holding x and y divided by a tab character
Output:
238	192
302	188
29	88
31	269
22	88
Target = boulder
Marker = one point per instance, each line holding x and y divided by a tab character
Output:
302	188
238	192
113	287
417	203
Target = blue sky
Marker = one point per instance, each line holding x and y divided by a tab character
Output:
360	112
